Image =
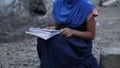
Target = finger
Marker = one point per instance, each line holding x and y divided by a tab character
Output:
62	31
68	35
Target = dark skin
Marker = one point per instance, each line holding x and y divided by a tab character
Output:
88	35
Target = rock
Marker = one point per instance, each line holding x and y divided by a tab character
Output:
20	15
110	58
106	3
5	3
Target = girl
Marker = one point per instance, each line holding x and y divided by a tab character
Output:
73	47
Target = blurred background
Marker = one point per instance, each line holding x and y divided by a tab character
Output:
18	50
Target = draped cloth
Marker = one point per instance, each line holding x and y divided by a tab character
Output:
68	52
63	52
72	12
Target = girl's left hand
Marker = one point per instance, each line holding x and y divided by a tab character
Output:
67	32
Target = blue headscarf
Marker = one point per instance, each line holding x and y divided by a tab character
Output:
71	13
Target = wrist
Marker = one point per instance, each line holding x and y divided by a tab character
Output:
72	32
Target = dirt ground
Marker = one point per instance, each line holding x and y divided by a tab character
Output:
23	54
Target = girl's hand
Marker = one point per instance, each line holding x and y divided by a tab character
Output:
67	32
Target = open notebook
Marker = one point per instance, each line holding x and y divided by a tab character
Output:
42	33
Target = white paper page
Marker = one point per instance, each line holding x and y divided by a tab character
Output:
43	33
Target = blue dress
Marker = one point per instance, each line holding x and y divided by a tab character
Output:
66	52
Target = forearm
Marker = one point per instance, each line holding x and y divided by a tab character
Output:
83	34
